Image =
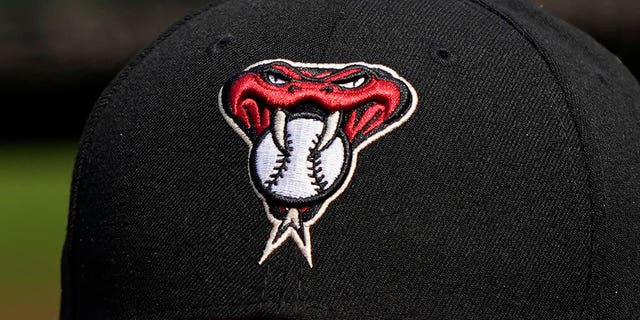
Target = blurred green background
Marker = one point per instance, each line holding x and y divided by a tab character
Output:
55	58
33	200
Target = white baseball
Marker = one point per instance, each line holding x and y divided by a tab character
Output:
299	176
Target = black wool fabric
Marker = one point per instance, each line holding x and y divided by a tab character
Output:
513	192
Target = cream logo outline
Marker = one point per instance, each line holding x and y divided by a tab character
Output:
305	124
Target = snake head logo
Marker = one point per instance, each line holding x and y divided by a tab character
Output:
305	124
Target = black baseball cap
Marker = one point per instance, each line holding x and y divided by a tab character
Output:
441	159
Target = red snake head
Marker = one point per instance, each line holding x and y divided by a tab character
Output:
357	99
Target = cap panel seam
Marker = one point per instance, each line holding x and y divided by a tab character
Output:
86	143
301	296
571	106
279	305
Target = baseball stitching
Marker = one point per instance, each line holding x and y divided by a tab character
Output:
315	159
281	166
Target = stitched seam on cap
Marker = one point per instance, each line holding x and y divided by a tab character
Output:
571	105
332	31
279	305
87	142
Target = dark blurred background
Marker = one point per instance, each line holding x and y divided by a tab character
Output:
56	57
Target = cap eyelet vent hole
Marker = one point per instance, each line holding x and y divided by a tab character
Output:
219	42
602	78
443	55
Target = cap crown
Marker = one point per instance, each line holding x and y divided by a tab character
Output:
513	191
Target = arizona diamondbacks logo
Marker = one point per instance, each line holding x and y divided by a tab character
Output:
305	124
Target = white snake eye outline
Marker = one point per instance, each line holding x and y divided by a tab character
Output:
276	78
352	83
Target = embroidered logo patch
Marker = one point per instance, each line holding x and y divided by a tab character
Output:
305	124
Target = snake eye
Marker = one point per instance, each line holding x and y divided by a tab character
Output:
352	83
276	78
